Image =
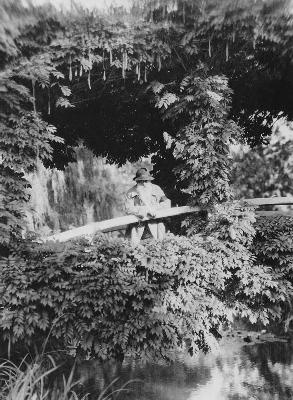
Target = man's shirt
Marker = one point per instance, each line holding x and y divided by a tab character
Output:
139	198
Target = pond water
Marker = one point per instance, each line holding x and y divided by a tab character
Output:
261	369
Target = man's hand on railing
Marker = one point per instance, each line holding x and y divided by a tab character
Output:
166	203
140	216
144	212
152	213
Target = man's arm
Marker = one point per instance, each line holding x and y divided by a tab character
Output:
165	202
162	200
131	209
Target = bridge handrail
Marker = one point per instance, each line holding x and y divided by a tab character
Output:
119	223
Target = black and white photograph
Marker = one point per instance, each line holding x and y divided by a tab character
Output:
146	199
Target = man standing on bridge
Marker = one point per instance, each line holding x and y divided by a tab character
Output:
143	200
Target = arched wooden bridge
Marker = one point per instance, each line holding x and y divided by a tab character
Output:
119	223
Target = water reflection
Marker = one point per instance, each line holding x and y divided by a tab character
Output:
262	371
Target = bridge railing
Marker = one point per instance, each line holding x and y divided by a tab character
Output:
120	223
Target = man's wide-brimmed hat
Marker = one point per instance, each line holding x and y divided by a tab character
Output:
143	174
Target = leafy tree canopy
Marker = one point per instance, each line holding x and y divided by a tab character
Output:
266	170
120	80
101	65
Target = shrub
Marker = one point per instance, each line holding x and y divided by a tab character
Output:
273	247
109	298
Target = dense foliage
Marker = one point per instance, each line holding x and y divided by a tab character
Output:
264	171
25	139
86	73
273	247
107	298
202	141
104	61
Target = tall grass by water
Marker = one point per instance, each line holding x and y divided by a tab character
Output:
32	381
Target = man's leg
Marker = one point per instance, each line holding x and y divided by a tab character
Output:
136	234
153	227
161	230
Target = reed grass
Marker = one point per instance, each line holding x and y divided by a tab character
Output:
30	381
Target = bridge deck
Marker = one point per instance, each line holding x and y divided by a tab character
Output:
119	223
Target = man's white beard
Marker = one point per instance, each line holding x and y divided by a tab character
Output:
145	194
